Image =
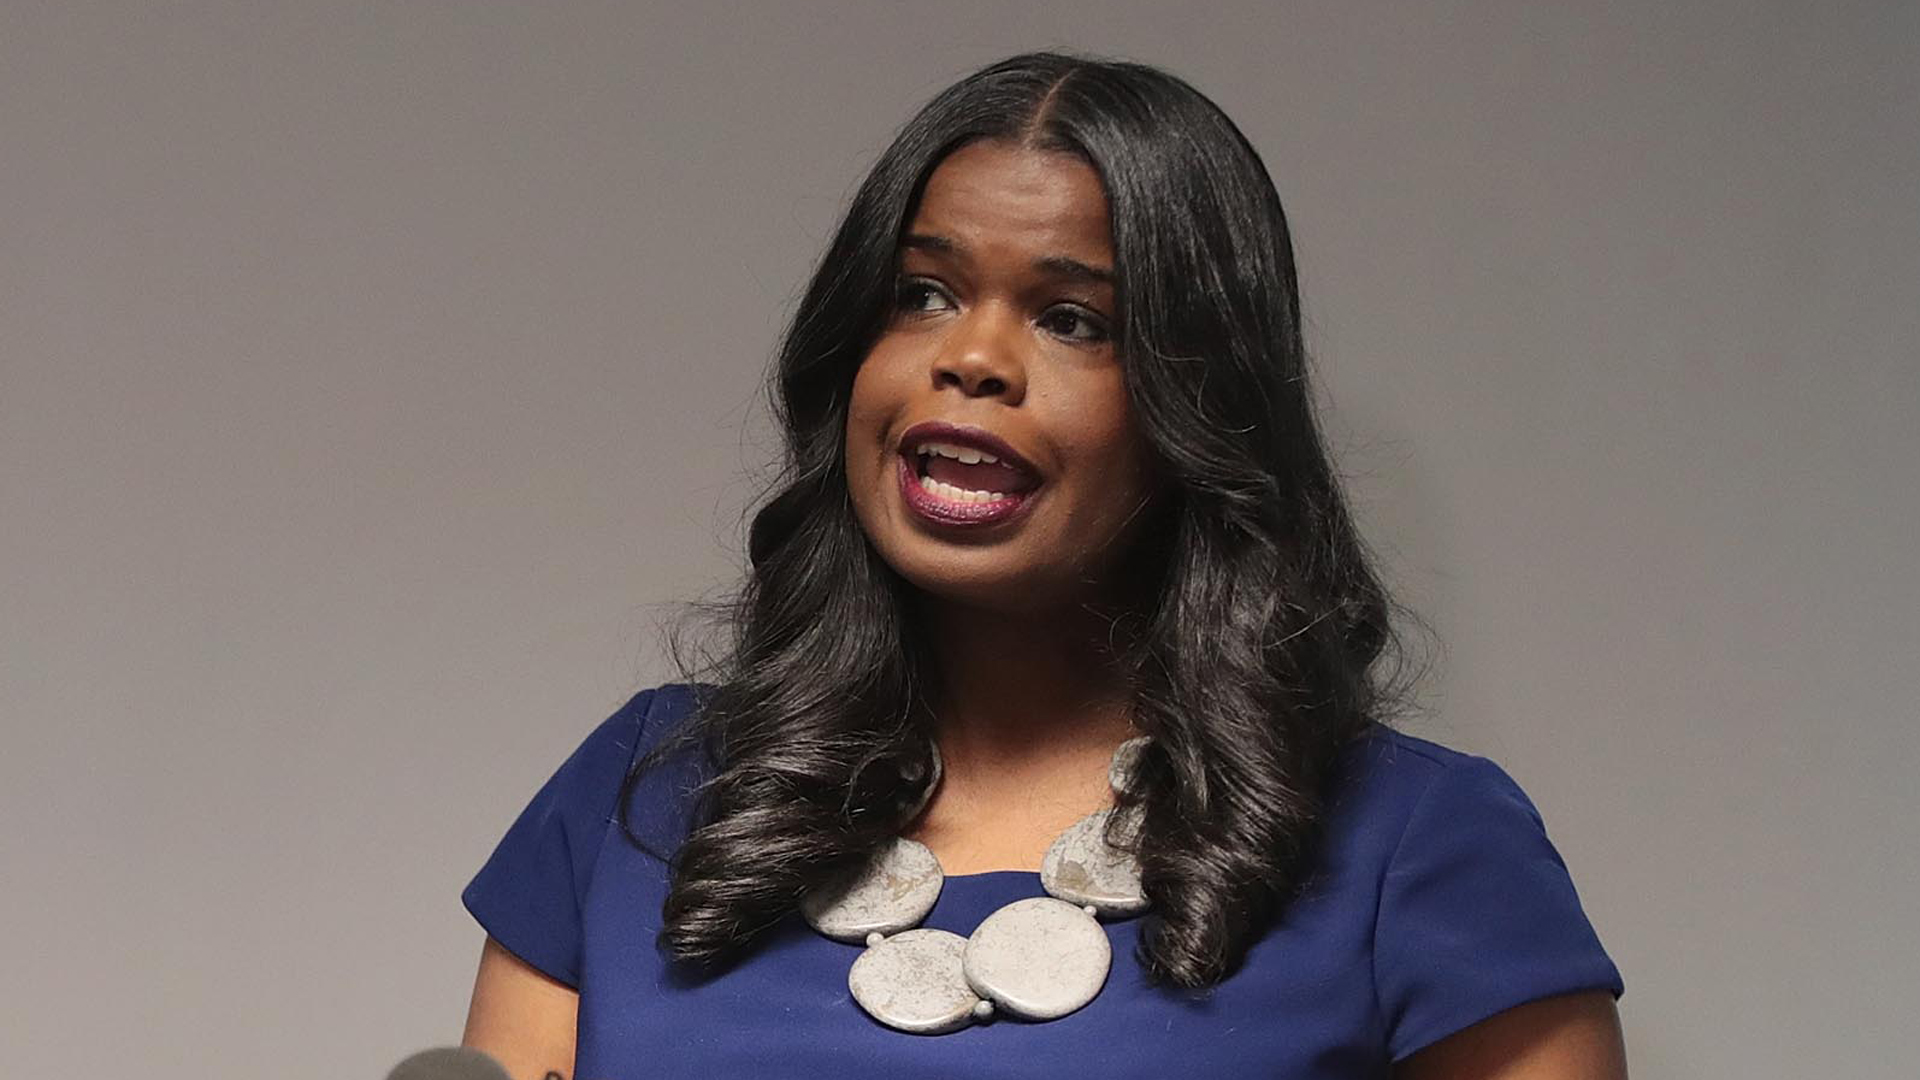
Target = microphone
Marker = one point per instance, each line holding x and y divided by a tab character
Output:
449	1063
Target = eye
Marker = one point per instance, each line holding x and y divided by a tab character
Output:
919	295
1075	324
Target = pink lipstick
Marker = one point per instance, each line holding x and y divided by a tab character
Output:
963	476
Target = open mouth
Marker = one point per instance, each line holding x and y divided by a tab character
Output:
962	476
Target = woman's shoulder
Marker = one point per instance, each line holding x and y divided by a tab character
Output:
655	722
530	893
585	791
1396	756
646	722
1386	762
1390	785
1472	909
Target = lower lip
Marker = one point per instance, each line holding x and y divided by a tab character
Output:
930	507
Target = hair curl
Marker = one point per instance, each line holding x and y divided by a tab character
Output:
1256	657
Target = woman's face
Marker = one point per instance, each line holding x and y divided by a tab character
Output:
992	455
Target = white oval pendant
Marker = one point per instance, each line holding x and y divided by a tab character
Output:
1038	959
1082	868
915	982
892	892
1126	760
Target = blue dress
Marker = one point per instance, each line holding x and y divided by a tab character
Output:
1437	902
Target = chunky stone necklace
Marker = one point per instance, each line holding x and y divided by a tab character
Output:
1036	959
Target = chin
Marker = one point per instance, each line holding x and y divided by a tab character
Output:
1004	575
1002	591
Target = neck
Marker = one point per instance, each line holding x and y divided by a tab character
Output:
1028	711
1014	688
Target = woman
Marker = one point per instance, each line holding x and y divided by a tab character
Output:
1054	482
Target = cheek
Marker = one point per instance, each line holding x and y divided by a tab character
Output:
1124	474
872	406
866	415
1097	419
883	386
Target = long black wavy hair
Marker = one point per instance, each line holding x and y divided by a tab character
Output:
1257	651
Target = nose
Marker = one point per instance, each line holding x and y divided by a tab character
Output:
981	358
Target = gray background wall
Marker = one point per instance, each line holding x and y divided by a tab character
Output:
373	376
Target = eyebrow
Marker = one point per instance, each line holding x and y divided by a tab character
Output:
1057	265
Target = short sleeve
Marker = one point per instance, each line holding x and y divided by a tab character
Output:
1477	912
529	894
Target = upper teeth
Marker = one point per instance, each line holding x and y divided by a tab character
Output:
965	455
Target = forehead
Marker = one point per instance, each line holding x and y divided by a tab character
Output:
998	194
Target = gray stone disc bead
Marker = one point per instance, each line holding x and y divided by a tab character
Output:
1125	757
893	892
1038	959
914	982
1082	868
